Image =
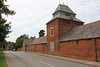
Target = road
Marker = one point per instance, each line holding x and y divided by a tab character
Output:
25	59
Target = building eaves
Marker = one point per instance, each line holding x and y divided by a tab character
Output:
41	40
27	41
87	31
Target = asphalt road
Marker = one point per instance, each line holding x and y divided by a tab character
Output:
25	59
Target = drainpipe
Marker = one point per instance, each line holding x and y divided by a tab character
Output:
95	49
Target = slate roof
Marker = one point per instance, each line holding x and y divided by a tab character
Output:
63	8
62	16
41	40
27	41
91	30
65	17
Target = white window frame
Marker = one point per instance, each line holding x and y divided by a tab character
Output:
53	31
52	47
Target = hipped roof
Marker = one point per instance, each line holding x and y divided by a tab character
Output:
64	8
65	17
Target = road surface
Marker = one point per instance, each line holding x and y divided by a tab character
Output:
25	59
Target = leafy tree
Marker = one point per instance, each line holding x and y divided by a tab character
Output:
32	38
4	27
3	44
10	43
20	39
41	33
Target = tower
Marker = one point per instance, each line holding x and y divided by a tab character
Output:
64	19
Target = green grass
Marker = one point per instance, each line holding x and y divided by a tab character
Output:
2	59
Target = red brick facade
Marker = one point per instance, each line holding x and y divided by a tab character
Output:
23	46
60	26
83	48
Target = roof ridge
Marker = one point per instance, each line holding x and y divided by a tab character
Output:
89	23
40	37
90	30
39	40
64	8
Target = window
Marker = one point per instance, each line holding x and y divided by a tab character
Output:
77	42
51	31
67	14
34	47
25	48
52	46
88	39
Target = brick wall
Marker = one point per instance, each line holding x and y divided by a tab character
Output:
19	49
32	47
60	26
40	48
54	38
23	46
84	49
65	25
98	48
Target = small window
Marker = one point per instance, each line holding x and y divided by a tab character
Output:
88	39
77	42
67	14
34	47
52	46
51	31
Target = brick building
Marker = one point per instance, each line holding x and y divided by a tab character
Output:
26	44
67	36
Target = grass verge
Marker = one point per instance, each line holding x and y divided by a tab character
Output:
2	59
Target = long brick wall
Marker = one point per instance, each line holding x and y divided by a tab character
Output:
83	49
98	48
23	46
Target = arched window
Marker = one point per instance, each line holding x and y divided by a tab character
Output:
52	46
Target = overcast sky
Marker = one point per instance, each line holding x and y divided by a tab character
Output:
32	15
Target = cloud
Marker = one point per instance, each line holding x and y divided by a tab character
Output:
32	15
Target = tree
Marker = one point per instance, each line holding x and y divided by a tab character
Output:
4	27
3	44
19	40
41	33
32	38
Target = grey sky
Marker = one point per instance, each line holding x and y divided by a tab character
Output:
32	15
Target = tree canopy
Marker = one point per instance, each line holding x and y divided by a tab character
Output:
41	33
19	40
4	27
32	37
